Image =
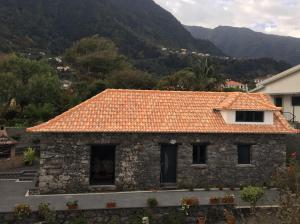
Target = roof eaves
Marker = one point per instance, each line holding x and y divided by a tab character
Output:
281	75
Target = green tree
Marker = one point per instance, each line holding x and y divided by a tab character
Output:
199	77
95	55
182	80
130	79
29	91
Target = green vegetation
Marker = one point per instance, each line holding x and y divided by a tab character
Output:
200	77
29	91
152	202
138	26
29	156
252	194
22	211
95	56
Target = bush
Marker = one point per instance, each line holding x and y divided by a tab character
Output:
138	216
22	210
79	220
50	218
173	218
152	202
252	194
29	156
43	210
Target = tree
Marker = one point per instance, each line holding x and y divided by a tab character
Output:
29	91
199	77
252	195
182	80
130	79
95	55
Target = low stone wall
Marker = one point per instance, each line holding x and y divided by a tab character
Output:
7	164
128	216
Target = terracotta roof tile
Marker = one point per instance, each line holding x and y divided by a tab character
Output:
153	111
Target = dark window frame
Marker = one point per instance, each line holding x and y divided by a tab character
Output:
295	101
278	101
200	154
103	148
240	159
5	152
250	116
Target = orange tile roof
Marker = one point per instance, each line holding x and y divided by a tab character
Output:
246	101
153	111
233	83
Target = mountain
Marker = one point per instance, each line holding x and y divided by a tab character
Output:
137	26
245	43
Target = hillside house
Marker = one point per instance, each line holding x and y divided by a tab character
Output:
236	85
147	139
284	89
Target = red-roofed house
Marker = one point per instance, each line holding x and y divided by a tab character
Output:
144	139
236	85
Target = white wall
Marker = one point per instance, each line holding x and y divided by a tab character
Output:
287	85
287	106
229	118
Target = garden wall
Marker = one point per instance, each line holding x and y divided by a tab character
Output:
166	215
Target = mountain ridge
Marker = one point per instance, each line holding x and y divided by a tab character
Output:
242	42
137	26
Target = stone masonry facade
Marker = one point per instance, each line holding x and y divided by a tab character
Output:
65	160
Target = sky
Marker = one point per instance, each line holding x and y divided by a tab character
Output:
280	17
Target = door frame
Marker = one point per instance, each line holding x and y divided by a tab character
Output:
176	161
90	163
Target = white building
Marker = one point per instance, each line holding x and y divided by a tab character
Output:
284	89
236	85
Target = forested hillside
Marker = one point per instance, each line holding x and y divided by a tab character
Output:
245	43
138	27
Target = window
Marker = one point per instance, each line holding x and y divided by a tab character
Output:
296	101
278	101
4	152
199	154
244	155
249	116
102	170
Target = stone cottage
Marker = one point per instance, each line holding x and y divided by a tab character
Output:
147	139
8	158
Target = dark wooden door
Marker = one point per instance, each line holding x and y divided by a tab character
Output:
168	164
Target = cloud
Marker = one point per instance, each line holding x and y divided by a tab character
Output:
280	17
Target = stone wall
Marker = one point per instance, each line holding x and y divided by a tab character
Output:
127	216
65	160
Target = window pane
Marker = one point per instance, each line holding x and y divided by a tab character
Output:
244	154
278	101
4	152
199	154
296	101
249	116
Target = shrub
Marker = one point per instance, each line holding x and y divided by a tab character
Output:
50	218
72	204
29	156
152	202
79	220
22	210
252	194
173	218
43	210
137	217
